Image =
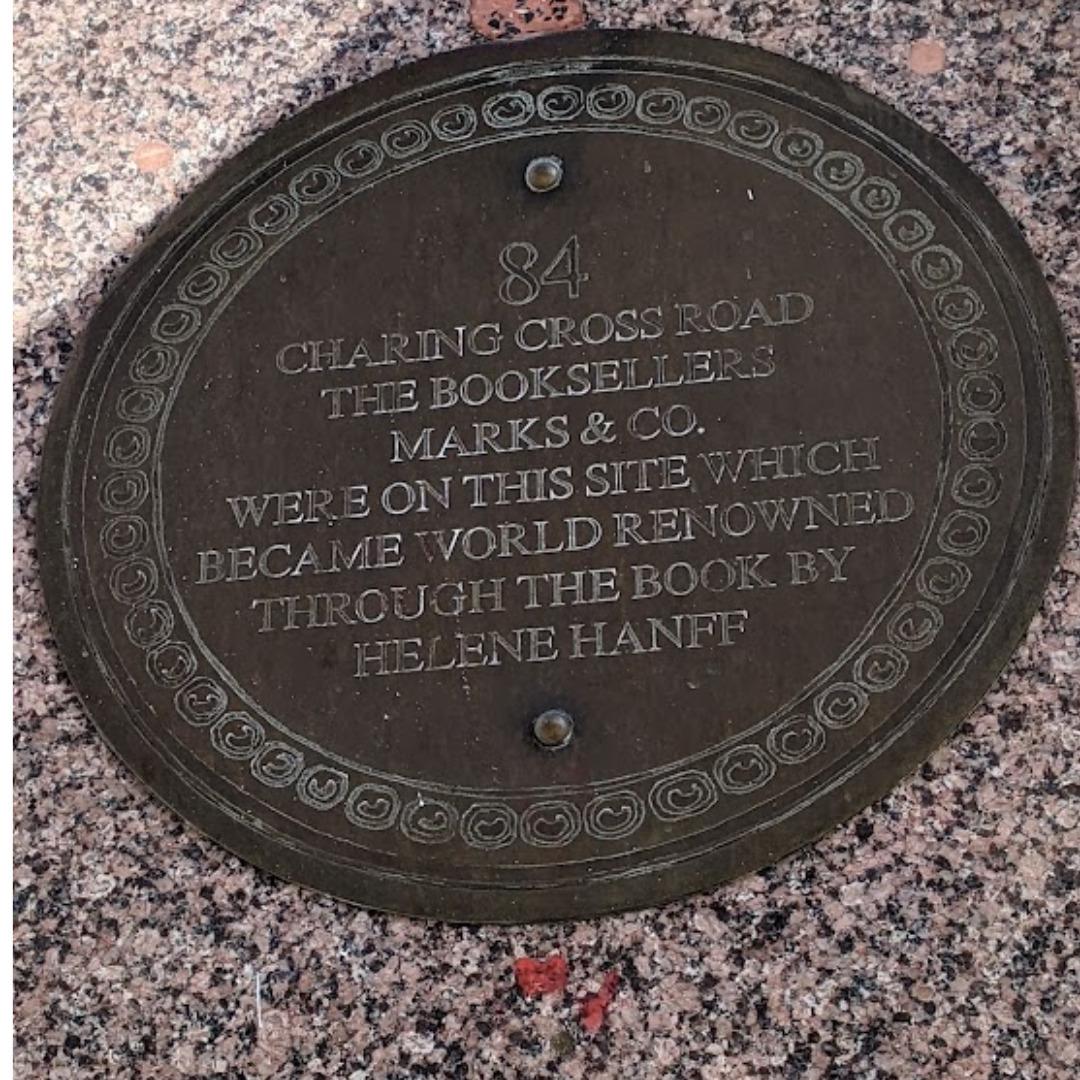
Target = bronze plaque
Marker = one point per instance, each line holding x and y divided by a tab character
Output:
554	478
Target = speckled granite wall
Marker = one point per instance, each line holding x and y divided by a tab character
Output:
937	935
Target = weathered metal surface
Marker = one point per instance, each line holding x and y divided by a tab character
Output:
552	479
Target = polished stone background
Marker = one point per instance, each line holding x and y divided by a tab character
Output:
936	935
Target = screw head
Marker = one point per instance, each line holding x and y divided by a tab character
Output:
553	729
543	174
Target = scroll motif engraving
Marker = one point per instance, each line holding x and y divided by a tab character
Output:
973	349
154	364
753	128
980	392
171	664
976	485
958	307
908	230
612	102
429	821
455	123
139	404
277	764
841	705
201	701
322	787
560	102
510	109
204	284
660	106
406	139
797	739
798	147
983	439
915	625
706	114
314	185
124	492
838	170
614	816
359	159
963	533
237	736
489	826
176	323
942	580
685	794
127	446
550	823
876	198
744	769
274	216
373	806
133	580
124	535
937	266
880	668
236	248
149	624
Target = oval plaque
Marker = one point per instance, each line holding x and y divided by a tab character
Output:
555	478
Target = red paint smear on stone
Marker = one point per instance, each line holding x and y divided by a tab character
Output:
536	977
594	1007
521	18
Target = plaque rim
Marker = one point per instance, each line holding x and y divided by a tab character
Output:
385	890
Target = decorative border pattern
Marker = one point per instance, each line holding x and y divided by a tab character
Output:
124	491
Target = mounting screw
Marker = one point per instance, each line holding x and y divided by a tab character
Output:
553	729
543	174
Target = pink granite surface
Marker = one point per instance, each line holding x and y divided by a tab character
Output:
937	935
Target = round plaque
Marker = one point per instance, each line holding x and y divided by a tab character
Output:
554	478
